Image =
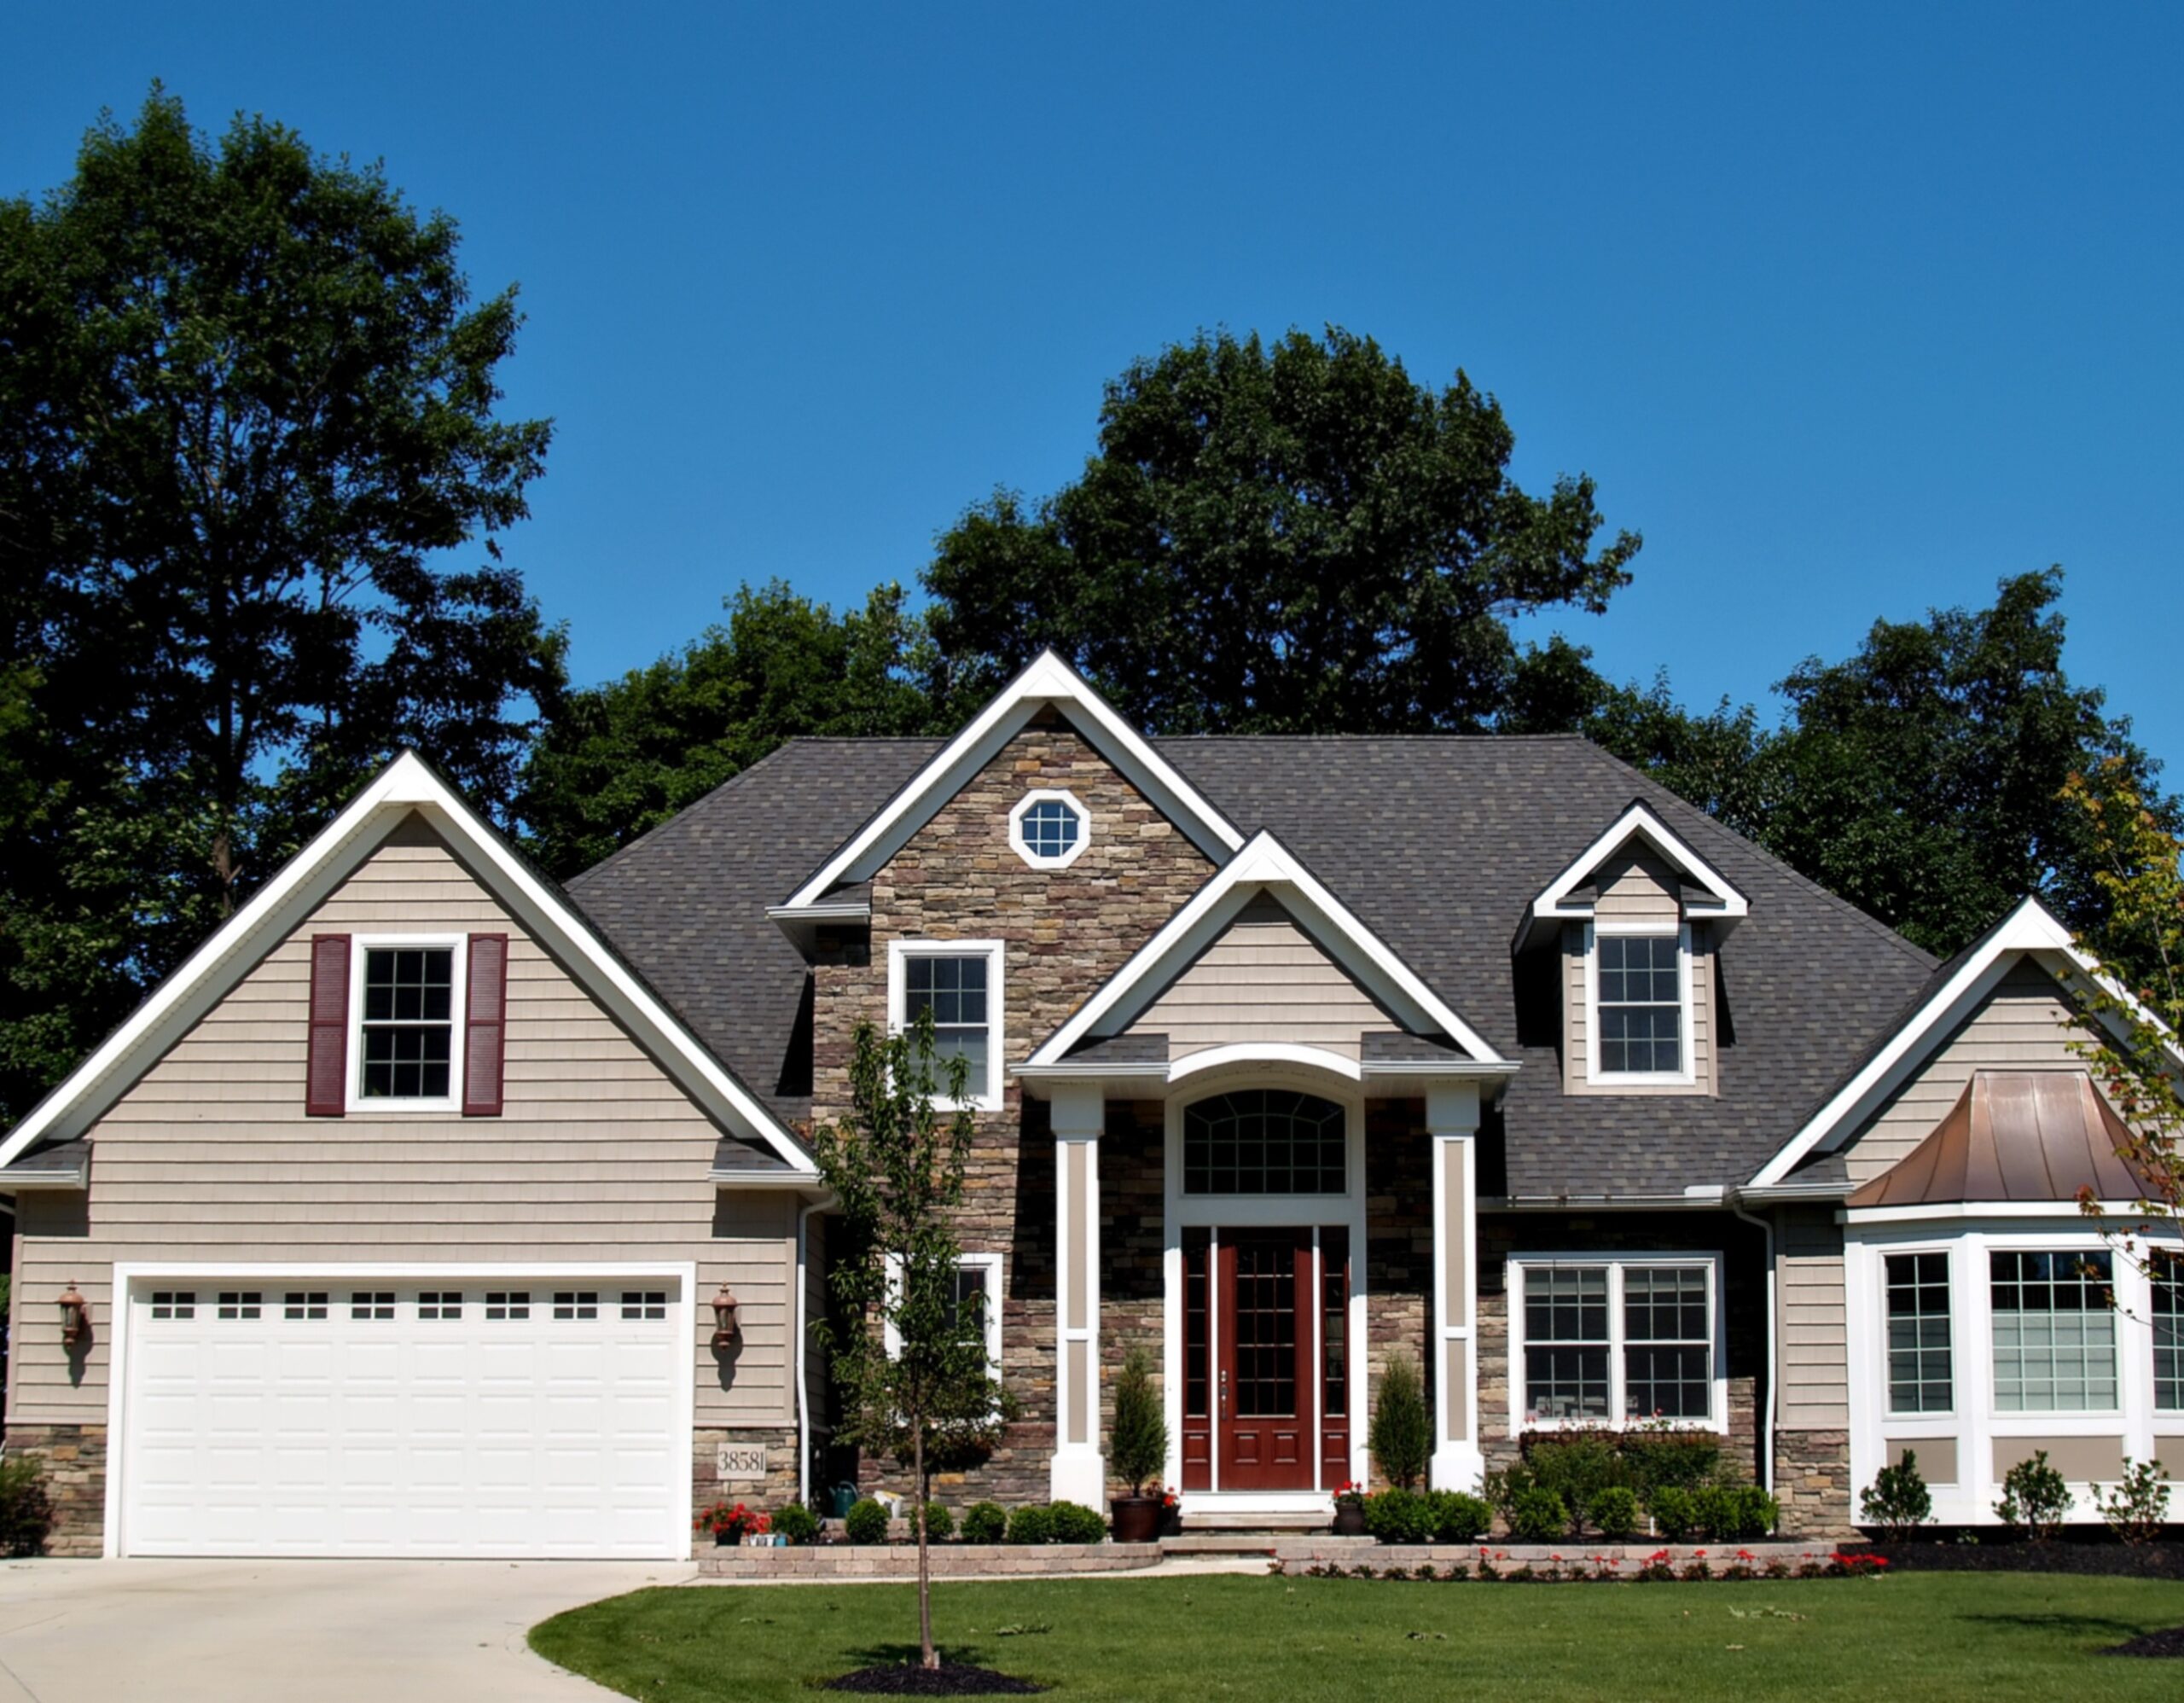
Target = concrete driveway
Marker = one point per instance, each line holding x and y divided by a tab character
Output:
295	1631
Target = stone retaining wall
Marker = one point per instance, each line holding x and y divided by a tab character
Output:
948	1561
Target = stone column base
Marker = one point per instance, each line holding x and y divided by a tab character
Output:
74	1456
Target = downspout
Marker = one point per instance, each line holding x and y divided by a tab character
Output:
1767	1414
803	1336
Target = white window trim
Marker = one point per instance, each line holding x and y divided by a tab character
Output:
361	946
984	1097
1687	1076
1049	795
1716	1418
988	1265
1976	1425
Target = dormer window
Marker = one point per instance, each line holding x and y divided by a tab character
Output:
1639	990
1048	829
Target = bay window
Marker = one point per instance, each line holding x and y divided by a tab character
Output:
1920	1366
2168	1274
2054	1332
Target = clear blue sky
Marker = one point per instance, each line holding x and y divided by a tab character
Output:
1849	308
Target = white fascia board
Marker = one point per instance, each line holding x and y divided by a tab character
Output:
2031	930
2058	1213
73	1180
1264	863
1722	901
1046	680
280	906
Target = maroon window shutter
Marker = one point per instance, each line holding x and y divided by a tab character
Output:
326	1076
486	1030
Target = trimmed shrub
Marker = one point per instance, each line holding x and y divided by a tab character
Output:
1459	1518
1676	1513
1897	1501
1502	1485
1743	1513
1576	1465
866	1522
26	1510
985	1522
1138	1442
1397	1516
939	1523
1613	1511
1401	1436
1538	1516
2138	1507
1031	1524
795	1523
2035	1499
1074	1523
1660	1456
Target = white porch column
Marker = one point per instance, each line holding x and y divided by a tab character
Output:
1079	1471
1452	1121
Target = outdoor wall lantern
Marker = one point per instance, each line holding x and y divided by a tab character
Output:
725	1326
75	1320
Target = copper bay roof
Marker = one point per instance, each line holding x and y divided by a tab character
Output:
2014	1134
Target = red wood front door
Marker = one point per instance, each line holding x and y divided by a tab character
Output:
1266	1410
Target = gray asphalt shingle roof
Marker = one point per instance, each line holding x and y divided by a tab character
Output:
1437	843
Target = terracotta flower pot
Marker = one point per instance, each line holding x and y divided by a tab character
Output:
1137	1519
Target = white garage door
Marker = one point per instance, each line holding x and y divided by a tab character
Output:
508	1417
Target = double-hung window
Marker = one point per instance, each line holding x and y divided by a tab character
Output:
1921	1369
2168	1274
1640	1016
1622	1339
959	982
972	1305
2054	1332
407	994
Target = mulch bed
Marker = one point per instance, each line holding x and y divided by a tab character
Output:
2123	1561
2169	1643
950	1679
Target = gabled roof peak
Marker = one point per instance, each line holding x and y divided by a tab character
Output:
1564	899
1047	681
1263	864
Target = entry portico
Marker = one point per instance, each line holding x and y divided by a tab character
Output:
1262	1023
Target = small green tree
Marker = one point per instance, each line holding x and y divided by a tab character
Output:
909	1356
1401	1436
2035	1499
1138	1442
1897	1501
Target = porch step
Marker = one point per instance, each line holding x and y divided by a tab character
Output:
1247	1535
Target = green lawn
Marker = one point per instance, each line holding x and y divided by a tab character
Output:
1937	1635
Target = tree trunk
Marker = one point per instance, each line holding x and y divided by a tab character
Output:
929	1655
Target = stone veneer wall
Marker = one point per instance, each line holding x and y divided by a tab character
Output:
708	1486
1399	1246
1065	931
1812	1481
75	1481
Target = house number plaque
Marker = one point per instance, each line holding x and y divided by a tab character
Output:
741	1461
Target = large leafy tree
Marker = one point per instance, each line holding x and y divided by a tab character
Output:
1287	538
618	758
251	478
1922	777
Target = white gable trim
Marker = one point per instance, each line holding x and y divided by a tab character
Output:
284	903
1560	902
2030	931
1047	681
1264	864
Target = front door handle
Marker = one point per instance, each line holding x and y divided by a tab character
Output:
1224	1392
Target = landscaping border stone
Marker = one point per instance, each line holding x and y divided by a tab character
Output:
876	1561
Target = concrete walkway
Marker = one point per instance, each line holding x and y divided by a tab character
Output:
207	1632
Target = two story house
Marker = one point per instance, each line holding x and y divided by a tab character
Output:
432	1209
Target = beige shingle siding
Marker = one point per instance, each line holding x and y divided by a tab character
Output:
2024	1025
598	1157
1264	979
1809	1253
1638	888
